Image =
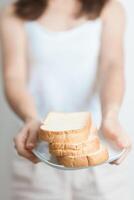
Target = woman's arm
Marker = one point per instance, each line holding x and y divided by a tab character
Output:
15	67
15	78
112	81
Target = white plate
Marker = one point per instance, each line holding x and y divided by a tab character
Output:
42	152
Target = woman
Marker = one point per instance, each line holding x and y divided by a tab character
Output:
61	56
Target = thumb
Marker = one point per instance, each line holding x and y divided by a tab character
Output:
31	139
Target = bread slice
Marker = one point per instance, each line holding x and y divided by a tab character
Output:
73	149
76	149
60	127
75	146
85	160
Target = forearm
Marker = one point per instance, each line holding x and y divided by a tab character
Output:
112	86
20	100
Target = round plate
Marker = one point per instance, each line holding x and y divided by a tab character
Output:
42	152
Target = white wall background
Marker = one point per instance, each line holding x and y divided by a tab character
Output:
8	122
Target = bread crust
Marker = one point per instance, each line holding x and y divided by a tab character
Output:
86	160
66	136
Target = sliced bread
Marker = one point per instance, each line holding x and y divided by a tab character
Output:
85	160
61	127
77	149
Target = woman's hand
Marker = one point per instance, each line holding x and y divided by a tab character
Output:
26	140
113	131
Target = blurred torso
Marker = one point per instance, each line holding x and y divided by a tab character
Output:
63	60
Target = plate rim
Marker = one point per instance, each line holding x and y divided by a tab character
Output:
44	160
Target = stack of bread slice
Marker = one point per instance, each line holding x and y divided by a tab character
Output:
73	139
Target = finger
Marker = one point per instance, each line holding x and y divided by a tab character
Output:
33	160
122	158
31	139
123	141
27	154
22	135
20	147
